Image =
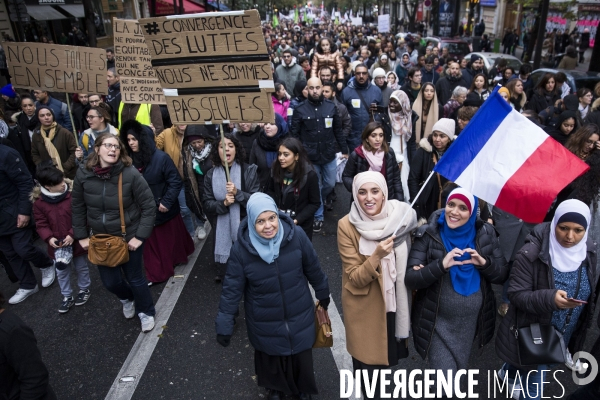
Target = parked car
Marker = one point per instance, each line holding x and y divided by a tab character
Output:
576	79
489	59
456	47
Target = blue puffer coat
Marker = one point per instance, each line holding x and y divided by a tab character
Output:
358	112
279	307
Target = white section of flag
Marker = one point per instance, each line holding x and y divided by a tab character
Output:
513	142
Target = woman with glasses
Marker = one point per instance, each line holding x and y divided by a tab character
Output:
53	144
95	208
98	117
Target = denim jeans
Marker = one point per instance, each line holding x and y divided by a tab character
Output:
134	286
83	276
186	213
326	174
531	385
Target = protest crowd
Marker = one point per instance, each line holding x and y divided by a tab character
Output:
352	106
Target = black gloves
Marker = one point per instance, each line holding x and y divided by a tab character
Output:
325	302
224	340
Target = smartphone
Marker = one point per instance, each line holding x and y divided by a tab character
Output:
578	301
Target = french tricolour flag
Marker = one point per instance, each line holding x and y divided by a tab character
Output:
510	162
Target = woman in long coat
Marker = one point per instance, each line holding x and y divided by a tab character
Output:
270	266
374	297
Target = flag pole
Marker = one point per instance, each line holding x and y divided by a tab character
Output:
224	156
72	121
413	202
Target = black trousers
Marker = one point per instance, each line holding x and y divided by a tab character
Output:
20	251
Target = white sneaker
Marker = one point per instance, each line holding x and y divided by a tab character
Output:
22	294
201	232
573	366
147	322
128	308
48	275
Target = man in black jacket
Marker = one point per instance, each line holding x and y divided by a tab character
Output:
80	110
446	85
16	228
316	123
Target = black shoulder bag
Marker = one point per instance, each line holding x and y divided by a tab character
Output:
543	343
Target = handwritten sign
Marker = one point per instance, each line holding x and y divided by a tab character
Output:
383	23
213	67
132	62
57	68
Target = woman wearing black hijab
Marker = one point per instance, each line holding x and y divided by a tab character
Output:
567	123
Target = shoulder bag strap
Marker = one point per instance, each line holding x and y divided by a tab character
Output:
364	103
121	212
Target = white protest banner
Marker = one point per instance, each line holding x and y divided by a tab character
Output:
57	68
383	23
139	83
357	21
213	67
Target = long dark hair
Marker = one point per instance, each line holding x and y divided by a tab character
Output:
578	140
332	46
472	88
239	151
541	86
371	126
587	186
296	147
145	137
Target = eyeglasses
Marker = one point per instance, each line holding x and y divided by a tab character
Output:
89	117
361	73
109	146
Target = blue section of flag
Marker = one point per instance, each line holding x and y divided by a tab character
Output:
472	139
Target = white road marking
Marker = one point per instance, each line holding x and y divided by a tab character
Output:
133	368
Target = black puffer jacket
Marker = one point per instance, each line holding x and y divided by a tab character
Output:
446	85
96	203
428	250
357	163
531	269
279	307
421	166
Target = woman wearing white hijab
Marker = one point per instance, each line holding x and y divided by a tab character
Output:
553	278
374	297
401	119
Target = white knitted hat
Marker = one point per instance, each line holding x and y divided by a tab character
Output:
446	126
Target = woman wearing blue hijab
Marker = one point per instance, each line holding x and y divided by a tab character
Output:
454	259
270	265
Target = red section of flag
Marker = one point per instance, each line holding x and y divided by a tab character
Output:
529	193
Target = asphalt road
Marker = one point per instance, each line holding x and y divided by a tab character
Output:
85	349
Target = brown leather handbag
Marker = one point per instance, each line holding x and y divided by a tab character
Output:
324	336
109	250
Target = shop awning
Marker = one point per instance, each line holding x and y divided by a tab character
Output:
165	7
75	10
44	13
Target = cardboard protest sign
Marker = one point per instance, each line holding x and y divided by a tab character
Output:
213	67
132	62
57	68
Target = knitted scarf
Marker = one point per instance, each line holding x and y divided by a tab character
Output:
199	156
227	224
48	136
374	229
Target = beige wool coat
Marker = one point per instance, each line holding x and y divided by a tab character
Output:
363	299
